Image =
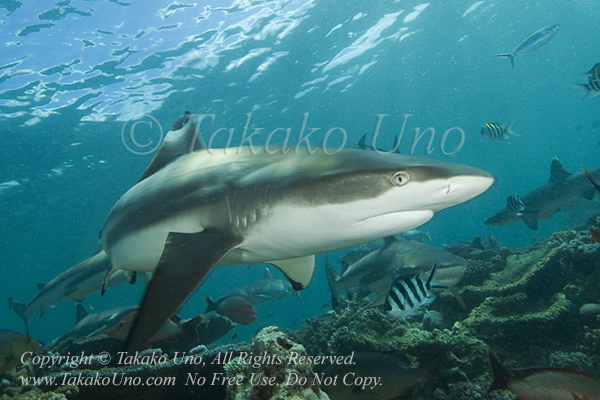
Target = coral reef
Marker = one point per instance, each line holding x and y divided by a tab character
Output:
534	308
279	375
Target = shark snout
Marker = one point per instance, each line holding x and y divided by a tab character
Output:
465	187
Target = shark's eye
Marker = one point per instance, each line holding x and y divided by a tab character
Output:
400	178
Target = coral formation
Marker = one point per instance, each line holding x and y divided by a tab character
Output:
278	376
528	306
534	308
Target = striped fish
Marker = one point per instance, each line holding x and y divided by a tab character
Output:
409	293
515	205
493	131
592	88
594	73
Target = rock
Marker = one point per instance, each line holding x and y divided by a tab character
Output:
280	375
589	310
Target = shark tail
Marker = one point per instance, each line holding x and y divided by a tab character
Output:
508	55
332	277
19	308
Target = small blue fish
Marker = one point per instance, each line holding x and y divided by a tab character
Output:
515	205
409	293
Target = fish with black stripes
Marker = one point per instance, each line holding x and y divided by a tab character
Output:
409	293
494	131
515	205
592	88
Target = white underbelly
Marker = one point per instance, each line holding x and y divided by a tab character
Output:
300	232
287	232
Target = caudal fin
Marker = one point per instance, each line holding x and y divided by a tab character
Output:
509	129
500	376
508	55
332	277
584	90
19	308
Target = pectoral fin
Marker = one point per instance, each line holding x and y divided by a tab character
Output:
297	270
186	260
531	220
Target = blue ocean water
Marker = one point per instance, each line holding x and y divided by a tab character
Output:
74	74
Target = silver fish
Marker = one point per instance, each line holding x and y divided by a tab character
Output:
532	42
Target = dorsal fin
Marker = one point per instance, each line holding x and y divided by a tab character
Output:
557	172
180	140
80	312
477	243
591	179
362	143
267	274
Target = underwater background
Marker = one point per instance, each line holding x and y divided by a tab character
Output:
73	74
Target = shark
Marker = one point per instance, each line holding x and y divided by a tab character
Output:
265	290
73	284
376	271
562	189
88	325
202	208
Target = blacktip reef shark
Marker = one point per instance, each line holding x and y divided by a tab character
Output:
88	325
265	290
376	271
74	284
196	210
563	189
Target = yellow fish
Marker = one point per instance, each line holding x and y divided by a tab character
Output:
12	347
